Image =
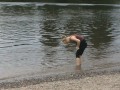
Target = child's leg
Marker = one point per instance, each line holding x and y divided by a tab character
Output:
79	53
78	63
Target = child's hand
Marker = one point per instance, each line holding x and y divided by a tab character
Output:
77	48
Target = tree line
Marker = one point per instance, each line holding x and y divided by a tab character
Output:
67	1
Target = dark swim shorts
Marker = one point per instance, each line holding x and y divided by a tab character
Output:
81	49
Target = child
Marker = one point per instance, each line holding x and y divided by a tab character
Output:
80	46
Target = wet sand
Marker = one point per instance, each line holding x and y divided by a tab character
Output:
105	80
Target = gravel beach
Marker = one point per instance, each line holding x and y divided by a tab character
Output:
107	81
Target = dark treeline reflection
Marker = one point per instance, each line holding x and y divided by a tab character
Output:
100	27
50	30
67	1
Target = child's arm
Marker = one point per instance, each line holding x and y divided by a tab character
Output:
73	38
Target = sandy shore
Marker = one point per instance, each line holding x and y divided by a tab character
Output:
98	82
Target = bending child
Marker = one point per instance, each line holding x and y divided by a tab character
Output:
80	46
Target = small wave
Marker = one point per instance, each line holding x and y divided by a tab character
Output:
14	45
57	4
77	4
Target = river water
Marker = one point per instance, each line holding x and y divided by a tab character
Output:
30	37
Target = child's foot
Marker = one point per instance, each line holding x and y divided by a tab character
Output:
78	67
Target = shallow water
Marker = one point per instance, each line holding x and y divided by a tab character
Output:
30	36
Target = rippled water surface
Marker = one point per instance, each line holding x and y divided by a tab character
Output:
30	36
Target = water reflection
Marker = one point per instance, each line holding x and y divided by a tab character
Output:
49	31
100	32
